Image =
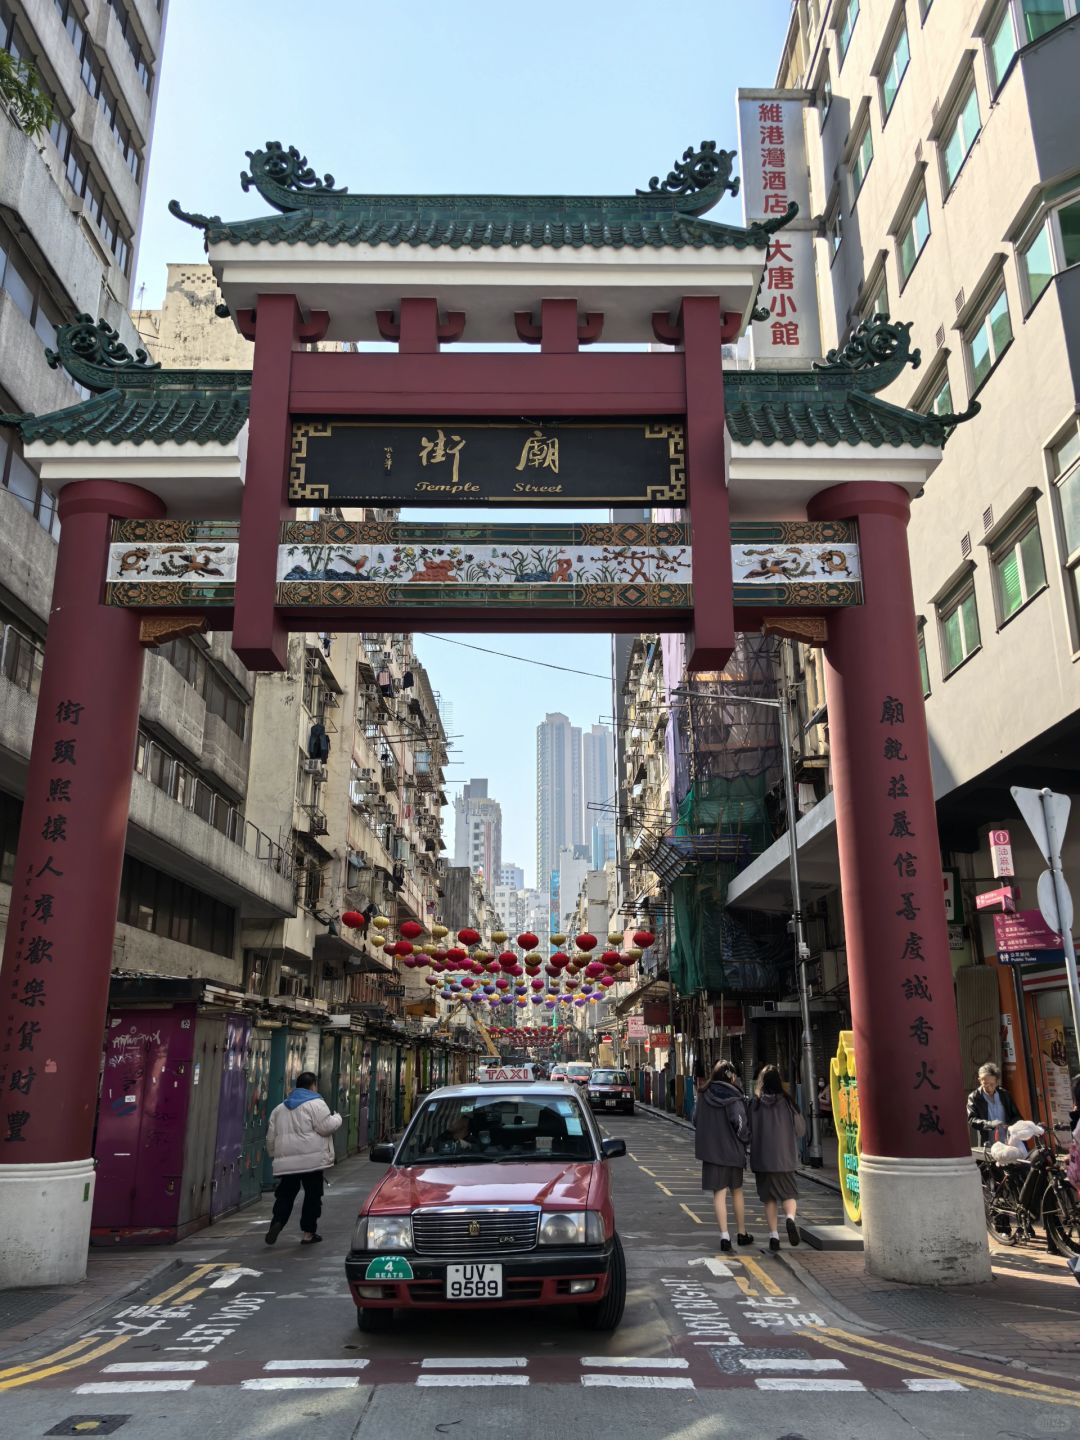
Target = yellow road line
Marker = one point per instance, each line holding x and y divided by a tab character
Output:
745	1286
191	1295
647	1171
696	1218
45	1359
73	1364
196	1274
893	1349
764	1280
662	1186
923	1365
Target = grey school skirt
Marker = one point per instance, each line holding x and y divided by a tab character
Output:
720	1177
776	1185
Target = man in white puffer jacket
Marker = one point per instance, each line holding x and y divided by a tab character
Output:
298	1141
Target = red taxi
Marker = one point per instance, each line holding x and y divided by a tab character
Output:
497	1195
578	1072
611	1090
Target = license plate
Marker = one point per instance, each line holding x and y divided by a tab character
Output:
474	1282
610	1102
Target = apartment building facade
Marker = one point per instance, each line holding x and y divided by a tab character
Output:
944	170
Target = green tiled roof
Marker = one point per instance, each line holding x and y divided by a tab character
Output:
760	414
140	403
141	417
313	212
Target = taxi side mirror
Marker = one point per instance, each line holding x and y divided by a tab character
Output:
383	1152
612	1149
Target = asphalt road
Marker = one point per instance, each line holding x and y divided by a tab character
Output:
243	1340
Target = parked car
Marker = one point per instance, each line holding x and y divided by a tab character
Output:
611	1090
497	1195
578	1071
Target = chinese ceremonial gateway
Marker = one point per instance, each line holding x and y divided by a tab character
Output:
777	499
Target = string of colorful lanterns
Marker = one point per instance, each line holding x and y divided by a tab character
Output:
501	976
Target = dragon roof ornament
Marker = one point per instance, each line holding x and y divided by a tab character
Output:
312	209
874	356
92	353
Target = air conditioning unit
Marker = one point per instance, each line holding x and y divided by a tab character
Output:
314	767
328	698
359	859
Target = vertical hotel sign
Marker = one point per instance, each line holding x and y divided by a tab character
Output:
772	151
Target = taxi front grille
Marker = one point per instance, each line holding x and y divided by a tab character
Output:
475	1232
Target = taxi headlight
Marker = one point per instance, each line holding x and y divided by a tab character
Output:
572	1227
388	1232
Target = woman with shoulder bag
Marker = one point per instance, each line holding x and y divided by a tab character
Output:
720	1143
775	1125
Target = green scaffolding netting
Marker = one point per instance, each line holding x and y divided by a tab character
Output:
711	950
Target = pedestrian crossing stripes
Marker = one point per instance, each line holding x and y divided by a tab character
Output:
786	1370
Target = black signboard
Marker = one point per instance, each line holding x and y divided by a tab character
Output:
488	462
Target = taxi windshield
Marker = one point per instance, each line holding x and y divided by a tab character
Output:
466	1129
609	1077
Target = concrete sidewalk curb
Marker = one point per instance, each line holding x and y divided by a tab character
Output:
84	1318
815	1176
849	1317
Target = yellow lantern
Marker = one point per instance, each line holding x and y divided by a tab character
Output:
377	940
634	953
439	932
381	922
498	936
534	958
615	937
558	939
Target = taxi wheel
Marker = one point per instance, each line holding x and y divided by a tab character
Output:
374	1322
609	1312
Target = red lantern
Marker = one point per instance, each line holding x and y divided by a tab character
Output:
508	960
528	941
586	942
403	947
551	970
456	956
611	958
410	929
469	936
559	960
353	919
643	939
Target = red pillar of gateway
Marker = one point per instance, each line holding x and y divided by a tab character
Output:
907	1043
54	982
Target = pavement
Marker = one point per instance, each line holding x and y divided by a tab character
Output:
223	1335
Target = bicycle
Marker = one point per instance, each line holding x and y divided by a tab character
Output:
1019	1195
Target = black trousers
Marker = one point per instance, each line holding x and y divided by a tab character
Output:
288	1187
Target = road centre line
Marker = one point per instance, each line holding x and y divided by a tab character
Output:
72	1364
133	1387
640	1382
806	1382
631	1362
311	1364
301	1382
470	1362
471	1380
140	1367
973	1378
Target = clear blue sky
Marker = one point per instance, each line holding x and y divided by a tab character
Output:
569	96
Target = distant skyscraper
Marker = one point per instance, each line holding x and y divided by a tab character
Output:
558	793
478	830
598	791
512	875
